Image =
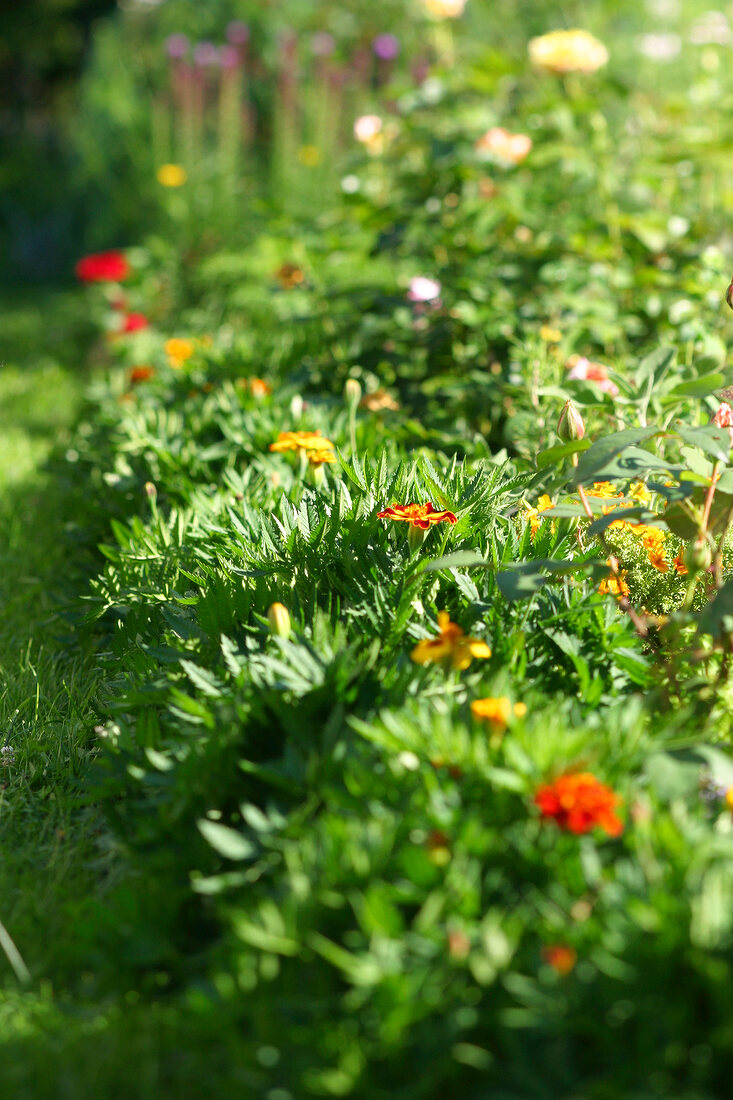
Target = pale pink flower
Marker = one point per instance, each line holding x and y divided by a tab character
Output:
367	128
581	369
423	289
724	418
504	147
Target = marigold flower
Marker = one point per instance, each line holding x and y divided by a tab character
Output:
278	618
656	558
602	489
171	175
318	458
572	51
133	322
550	335
615	585
451	646
377	401
638	491
679	565
141	374
498	712
418	515
503	146
178	351
561	958
103	267
260	388
301	441
578	803
533	514
289	276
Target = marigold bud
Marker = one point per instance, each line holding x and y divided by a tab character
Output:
352	391
150	490
570	426
278	617
729	295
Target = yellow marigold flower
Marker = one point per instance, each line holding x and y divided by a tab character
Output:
317	458
178	351
498	712
656	558
444	9
171	175
638	491
451	646
550	335
614	585
301	441
602	489
573	51
533	514
729	798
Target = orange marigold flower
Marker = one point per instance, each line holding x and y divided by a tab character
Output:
679	565
260	388
375	402
289	275
498	711
614	585
178	351
451	646
317	458
301	441
578	803
561	958
418	515
656	558
141	374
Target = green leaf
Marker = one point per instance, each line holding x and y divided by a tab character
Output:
696	387
227	842
461	559
525	579
655	365
717	617
711	439
593	463
560	452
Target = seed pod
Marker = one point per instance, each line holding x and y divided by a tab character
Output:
352	392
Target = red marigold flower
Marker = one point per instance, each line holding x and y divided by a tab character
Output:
103	267
418	515
560	957
141	374
133	322
579	803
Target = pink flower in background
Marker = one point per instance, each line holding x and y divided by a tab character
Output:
423	289
238	33
323	44
177	46
504	147
581	369
206	53
386	47
229	57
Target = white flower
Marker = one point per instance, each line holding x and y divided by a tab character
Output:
423	289
366	128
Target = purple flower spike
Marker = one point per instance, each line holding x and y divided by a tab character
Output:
238	33
177	46
323	44
228	57
386	47
206	53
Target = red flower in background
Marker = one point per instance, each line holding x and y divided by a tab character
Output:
103	267
579	803
141	374
133	322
